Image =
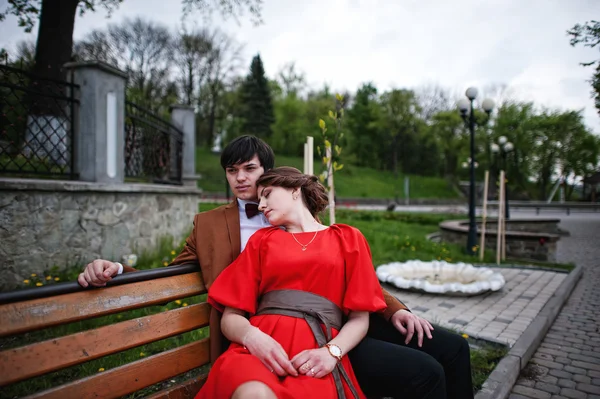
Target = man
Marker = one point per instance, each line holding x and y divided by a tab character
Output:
393	360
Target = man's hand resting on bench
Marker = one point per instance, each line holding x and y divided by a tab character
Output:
98	273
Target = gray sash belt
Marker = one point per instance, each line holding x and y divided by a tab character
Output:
315	309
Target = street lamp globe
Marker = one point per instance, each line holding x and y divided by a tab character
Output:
471	93
508	147
495	148
463	106
487	105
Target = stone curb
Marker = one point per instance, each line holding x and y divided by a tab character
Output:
501	381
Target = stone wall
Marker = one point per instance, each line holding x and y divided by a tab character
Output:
46	223
524	240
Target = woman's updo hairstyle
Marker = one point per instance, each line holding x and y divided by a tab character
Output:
313	193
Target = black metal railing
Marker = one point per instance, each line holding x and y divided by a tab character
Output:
153	147
37	123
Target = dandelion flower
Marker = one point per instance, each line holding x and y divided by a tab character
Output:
178	302
172	252
101	369
33	275
184	304
165	263
465	336
48	278
39	284
142	354
56	278
26	281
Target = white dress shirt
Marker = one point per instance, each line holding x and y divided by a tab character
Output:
249	226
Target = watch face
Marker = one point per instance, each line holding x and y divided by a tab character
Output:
335	350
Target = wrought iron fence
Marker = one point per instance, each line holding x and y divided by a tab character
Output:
153	147
37	118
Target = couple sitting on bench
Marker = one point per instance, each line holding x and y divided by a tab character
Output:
320	325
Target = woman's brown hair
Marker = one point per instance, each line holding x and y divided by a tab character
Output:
313	193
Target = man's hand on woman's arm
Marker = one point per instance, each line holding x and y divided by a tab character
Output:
98	273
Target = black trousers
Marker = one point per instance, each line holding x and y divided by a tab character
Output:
385	366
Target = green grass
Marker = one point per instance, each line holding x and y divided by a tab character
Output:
350	182
392	236
483	361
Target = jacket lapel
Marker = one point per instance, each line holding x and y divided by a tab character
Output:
232	215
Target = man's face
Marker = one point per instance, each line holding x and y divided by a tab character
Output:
242	178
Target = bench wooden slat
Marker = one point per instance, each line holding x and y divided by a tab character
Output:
35	314
133	376
185	390
47	356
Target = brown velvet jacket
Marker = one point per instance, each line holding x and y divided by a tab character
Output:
215	244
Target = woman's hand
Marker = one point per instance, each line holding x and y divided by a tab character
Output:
269	352
315	363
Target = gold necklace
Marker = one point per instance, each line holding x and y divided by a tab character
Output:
302	245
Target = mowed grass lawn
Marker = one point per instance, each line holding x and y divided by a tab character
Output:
392	237
350	182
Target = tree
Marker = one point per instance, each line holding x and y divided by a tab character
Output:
433	99
256	97
364	127
588	35
400	119
223	62
447	130
192	51
143	49
290	80
57	21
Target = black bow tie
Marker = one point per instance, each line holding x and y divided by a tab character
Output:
251	210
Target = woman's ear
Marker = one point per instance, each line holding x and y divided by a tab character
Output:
296	193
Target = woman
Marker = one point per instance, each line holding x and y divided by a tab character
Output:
298	282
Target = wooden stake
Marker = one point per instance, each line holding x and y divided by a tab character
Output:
331	189
484	215
500	219
310	143
305	169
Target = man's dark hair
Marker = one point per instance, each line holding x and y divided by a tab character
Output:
243	148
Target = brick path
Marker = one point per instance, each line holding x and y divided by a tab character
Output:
499	316
567	363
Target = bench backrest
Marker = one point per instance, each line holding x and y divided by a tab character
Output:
47	356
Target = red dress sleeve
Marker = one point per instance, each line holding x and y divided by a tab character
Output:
363	292
238	285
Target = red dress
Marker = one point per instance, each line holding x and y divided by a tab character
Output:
336	265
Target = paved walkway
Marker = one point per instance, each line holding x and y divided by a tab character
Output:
499	316
567	363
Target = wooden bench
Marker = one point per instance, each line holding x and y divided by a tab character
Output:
25	311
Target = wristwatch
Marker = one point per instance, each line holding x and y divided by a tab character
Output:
334	351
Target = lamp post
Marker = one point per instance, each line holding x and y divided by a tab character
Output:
467	111
503	147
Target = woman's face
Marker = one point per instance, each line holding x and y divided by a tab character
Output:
277	203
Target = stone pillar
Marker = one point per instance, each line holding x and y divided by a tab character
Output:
100	135
183	117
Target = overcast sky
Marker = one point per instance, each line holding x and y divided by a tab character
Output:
403	43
